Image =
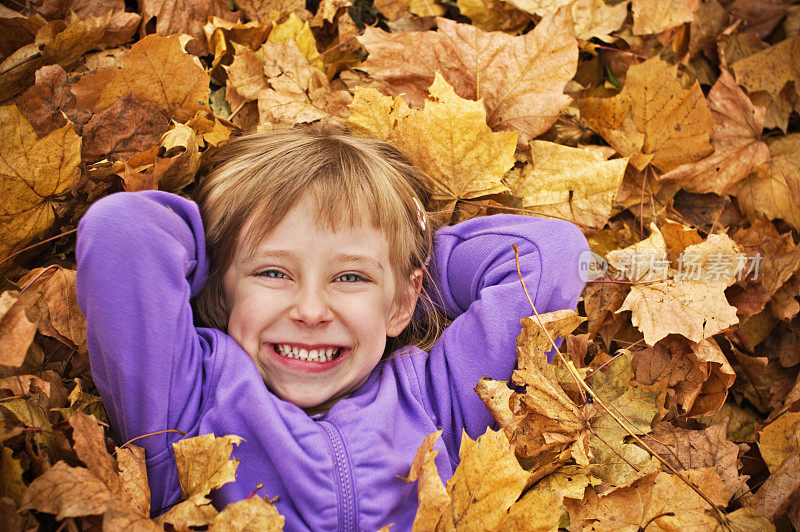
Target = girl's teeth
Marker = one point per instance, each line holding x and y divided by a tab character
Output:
314	355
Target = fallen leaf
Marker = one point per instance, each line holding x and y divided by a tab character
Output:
520	80
778	255
299	32
16	331
536	511
736	138
297	92
182	16
698	374
67	492
774	189
486	483
203	465
431	493
156	69
124	129
248	515
780	439
675	122
572	184
49	103
33	172
773	497
450	141
493	15
696	449
133	474
655	17
11	483
51	300
268	9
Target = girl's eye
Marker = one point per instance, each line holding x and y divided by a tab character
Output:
350	278
272	274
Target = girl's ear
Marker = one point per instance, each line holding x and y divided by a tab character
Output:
404	304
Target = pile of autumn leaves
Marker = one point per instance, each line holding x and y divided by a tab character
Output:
676	403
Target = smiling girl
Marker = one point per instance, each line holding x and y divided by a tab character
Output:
317	284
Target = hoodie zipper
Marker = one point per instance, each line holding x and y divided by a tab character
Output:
344	478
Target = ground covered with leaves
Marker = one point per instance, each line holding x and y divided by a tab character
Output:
667	131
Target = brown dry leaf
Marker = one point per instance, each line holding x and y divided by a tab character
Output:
698	375
249	515
520	80
659	501
779	255
485	484
33	172
57	42
691	303
601	300
90	446
22	384
655	17
83	402
770	71
709	21
494	15
51	300
674	122
736	138
203	464
774	189
298	92
183	16
124	129
575	184
546	419
49	103
221	34
780	439
785	303
695	449
17	32
157	69
432	495
133	474
67	492
775	495
592	18
16	331
570	480
450	141
269	9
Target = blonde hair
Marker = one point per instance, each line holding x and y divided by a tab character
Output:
261	176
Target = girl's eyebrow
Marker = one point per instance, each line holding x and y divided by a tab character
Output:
360	259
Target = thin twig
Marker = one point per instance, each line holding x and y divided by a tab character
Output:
37	244
181	432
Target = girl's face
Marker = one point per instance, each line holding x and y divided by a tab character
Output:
323	294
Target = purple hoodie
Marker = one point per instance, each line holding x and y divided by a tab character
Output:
141	257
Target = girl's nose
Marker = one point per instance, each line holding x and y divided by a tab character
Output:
310	307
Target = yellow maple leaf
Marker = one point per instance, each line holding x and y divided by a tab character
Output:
675	122
450	141
33	173
299	32
575	184
780	439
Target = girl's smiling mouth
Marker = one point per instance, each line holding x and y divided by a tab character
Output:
307	358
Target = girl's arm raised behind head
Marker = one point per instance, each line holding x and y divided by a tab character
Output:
140	258
476	271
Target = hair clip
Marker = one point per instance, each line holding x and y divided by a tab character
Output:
420	214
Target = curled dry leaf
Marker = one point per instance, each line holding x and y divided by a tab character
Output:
736	138
494	15
203	464
33	173
49	103
16	331
780	439
575	184
654	120
520	80
432	495
67	492
51	300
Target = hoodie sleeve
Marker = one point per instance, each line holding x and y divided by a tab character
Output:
141	257
476	273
